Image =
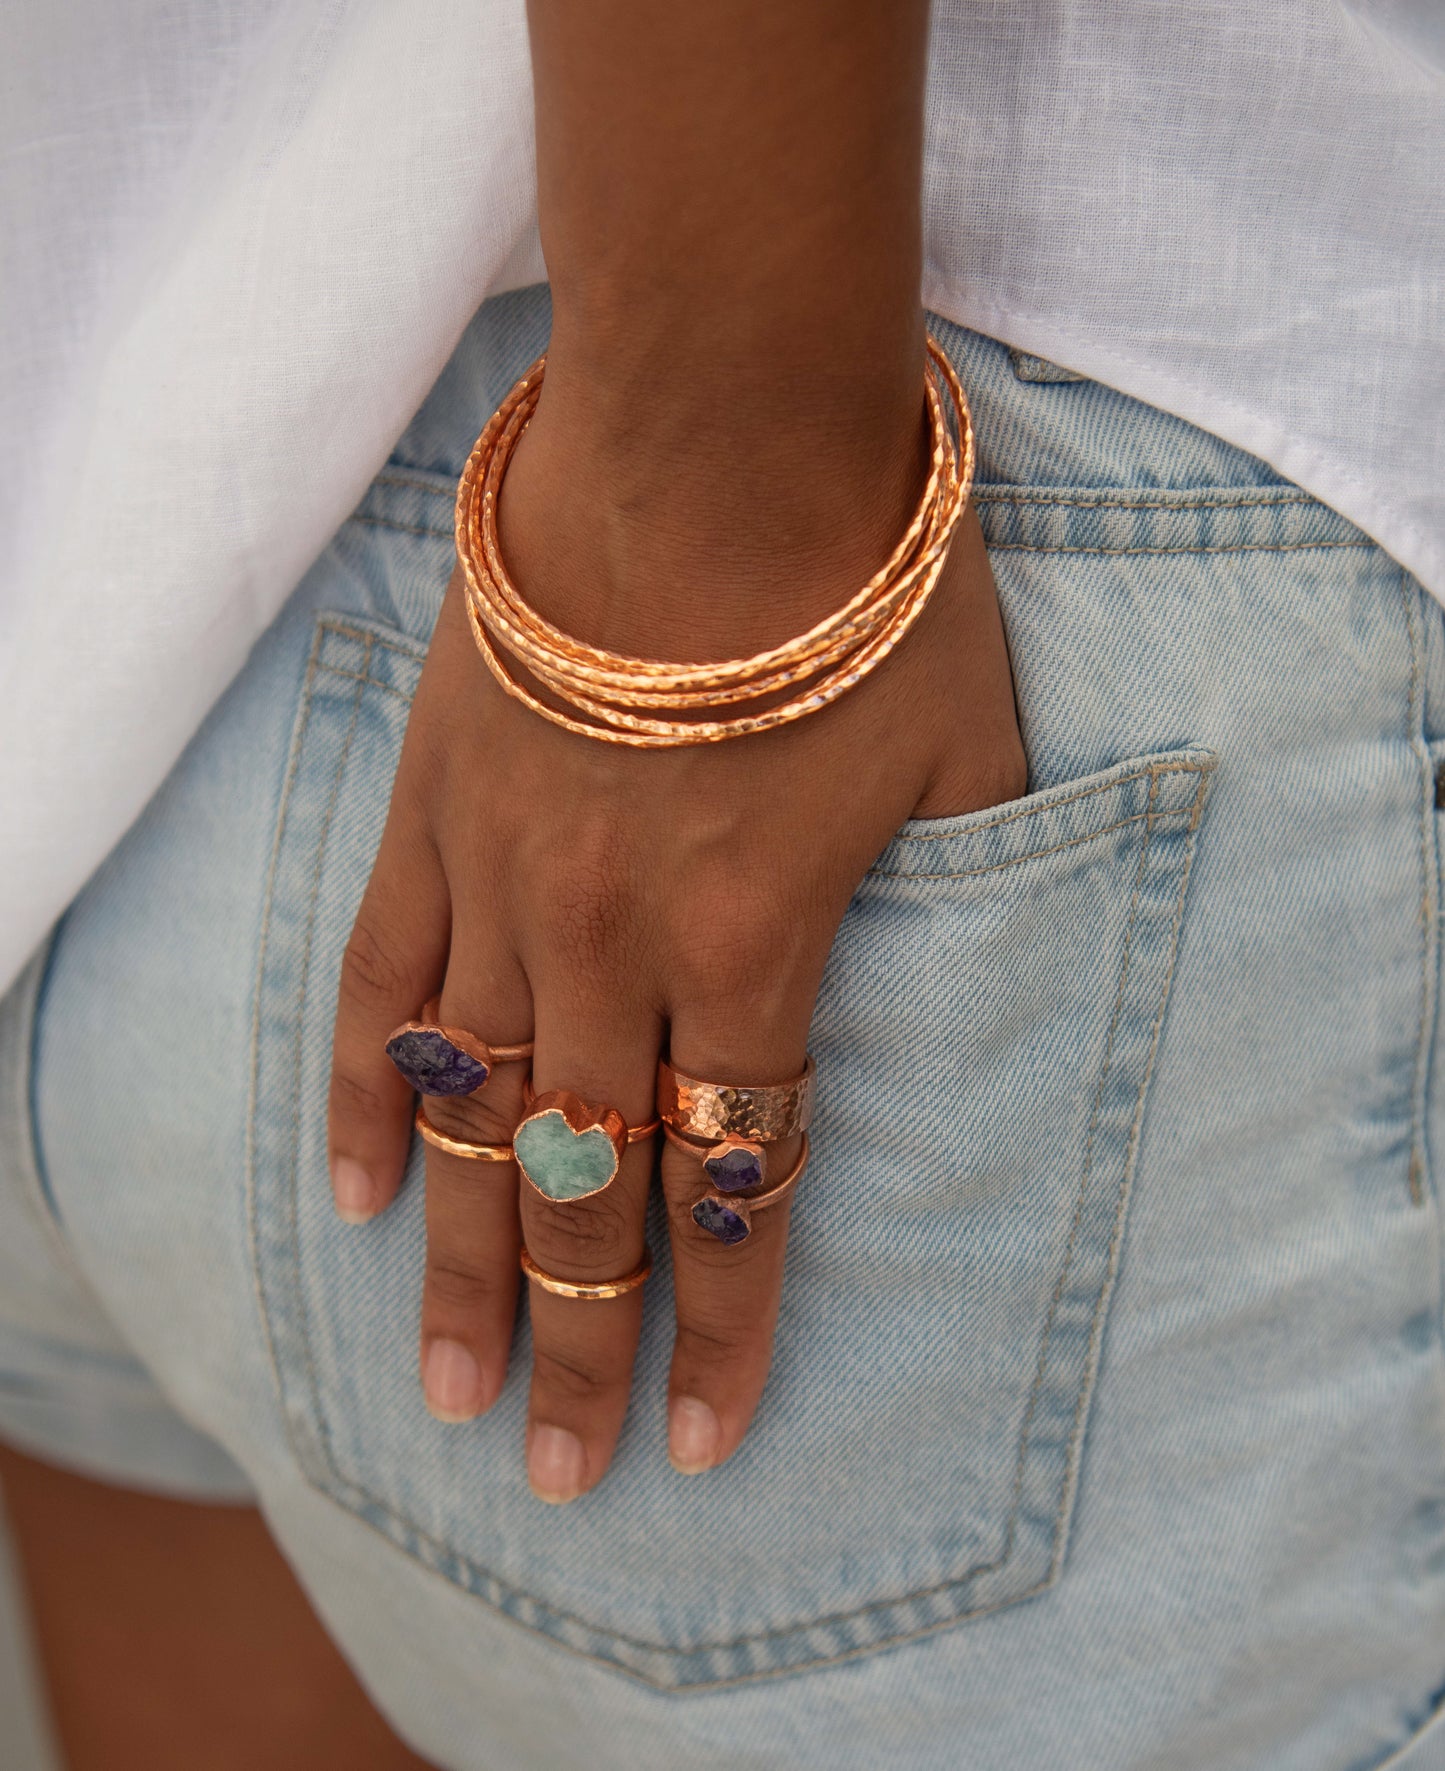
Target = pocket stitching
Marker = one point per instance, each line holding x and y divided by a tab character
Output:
401	528
1126	1183
362	681
1073	842
1050	805
314	669
1228	547
370	682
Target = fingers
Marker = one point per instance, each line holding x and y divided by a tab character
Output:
469	1294
604	1050
392	964
727	1296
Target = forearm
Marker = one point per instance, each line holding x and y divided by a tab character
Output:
729	200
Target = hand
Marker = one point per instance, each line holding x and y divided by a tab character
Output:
617	904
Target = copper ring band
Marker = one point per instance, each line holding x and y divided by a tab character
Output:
815	667
762	1113
499	1054
460	1146
588	1291
635	1133
769	1195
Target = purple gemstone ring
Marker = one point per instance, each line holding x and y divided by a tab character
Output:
439	1060
726	1211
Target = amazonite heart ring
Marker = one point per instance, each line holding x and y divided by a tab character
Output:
569	1149
439	1060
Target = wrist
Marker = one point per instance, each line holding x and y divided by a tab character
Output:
689	511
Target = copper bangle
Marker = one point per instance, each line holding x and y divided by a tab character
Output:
604	687
460	1146
441	1060
760	1113
587	1291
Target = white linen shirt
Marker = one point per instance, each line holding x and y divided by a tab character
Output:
239	241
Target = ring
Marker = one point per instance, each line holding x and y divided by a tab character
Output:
730	1219
460	1146
569	1149
759	1114
733	1165
439	1060
581	1288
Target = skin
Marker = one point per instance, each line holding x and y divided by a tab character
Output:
730	440
174	1637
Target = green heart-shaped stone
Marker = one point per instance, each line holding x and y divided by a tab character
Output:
560	1162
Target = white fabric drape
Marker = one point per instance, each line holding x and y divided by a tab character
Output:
239	240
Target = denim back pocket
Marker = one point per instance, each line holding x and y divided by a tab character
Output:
984	1038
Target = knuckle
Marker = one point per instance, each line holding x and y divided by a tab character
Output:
372	976
732	938
708	1344
356	1101
681	1190
718	1329
565	1374
588	904
455	1284
591	1236
474	1119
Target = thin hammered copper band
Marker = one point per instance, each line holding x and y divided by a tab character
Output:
580	1288
460	1146
635	1133
763	1113
824	663
769	1195
498	1054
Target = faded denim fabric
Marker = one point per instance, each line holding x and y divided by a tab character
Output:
1107	1426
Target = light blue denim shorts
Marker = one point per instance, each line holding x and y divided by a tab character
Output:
1107	1426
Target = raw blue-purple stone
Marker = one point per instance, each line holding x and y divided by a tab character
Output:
734	1171
720	1220
433	1065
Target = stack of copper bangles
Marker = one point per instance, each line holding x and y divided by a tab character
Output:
569	1150
619	695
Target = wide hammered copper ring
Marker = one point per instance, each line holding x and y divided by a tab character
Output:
754	1113
438	1060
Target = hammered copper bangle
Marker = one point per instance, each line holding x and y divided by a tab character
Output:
460	1146
440	1060
821	664
761	1113
587	1291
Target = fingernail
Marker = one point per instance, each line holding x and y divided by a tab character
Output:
556	1467
694	1436
452	1381
353	1190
